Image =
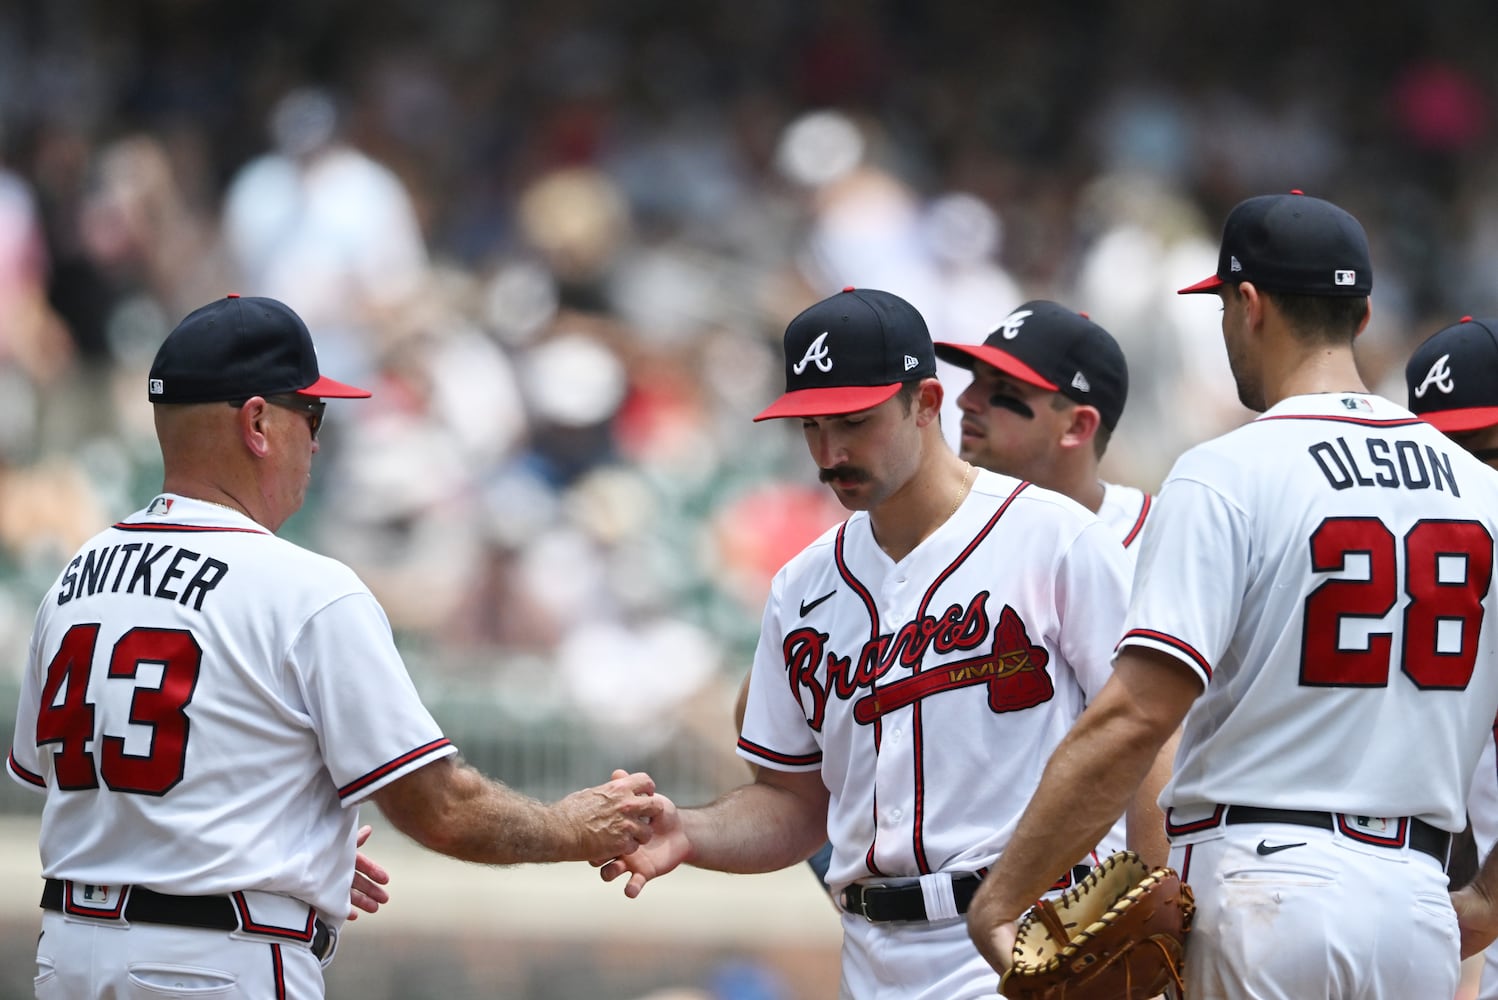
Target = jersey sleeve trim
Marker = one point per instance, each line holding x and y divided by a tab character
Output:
22	775
1178	648
1144	510
748	749
434	749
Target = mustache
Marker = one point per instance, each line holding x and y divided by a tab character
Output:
847	473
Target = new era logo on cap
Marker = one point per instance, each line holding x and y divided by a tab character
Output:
1047	345
1292	243
851	352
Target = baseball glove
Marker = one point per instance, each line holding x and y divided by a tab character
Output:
1120	934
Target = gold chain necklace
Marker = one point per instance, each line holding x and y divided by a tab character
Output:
217	504
961	490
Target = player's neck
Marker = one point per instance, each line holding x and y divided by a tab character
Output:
211	493
1312	370
922	505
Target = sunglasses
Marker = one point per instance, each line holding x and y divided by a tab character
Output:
311	408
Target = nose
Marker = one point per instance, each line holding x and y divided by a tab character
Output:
969	400
826	451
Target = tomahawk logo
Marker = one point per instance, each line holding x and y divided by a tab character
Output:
1010	327
817	354
1438	376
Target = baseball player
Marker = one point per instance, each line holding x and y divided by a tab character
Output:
915	664
1048	387
206	705
1452	380
1310	599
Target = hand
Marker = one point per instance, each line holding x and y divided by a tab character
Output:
991	932
613	819
668	848
1477	915
365	893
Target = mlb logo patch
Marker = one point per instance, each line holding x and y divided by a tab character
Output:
157	387
1356	403
160	507
1345	277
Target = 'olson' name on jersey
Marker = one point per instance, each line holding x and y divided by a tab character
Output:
1404	464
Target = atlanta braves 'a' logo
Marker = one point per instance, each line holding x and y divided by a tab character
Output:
1438	376
1013	667
1010	327
818	353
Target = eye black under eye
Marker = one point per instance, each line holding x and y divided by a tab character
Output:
1013	403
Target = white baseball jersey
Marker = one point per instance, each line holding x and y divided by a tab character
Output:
1124	510
931	691
204	705
1326	571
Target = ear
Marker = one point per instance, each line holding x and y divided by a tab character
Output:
1083	426
928	401
1253	303
252	419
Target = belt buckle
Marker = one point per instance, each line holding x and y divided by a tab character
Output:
863	903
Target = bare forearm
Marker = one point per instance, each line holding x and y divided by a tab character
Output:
484	821
756	828
452	808
1078	802
1146	820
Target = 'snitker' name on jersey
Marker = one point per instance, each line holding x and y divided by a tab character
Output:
89	573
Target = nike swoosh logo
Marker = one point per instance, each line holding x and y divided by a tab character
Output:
1267	848
807	606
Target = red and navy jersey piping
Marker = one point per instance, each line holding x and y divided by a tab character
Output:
384	770
790	760
191	529
1144	511
1339	419
29	777
1179	645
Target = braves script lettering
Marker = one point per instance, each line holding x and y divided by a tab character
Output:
1013	667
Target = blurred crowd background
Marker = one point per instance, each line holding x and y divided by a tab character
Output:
560	240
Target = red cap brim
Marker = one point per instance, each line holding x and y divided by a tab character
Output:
1473	418
1205	285
1002	360
332	389
828	402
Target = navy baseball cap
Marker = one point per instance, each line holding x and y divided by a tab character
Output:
235	348
1453	376
1048	345
850	352
1292	243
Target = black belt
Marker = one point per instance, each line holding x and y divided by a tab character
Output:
214	913
1421	836
883	903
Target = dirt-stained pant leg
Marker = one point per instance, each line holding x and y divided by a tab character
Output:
1326	917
